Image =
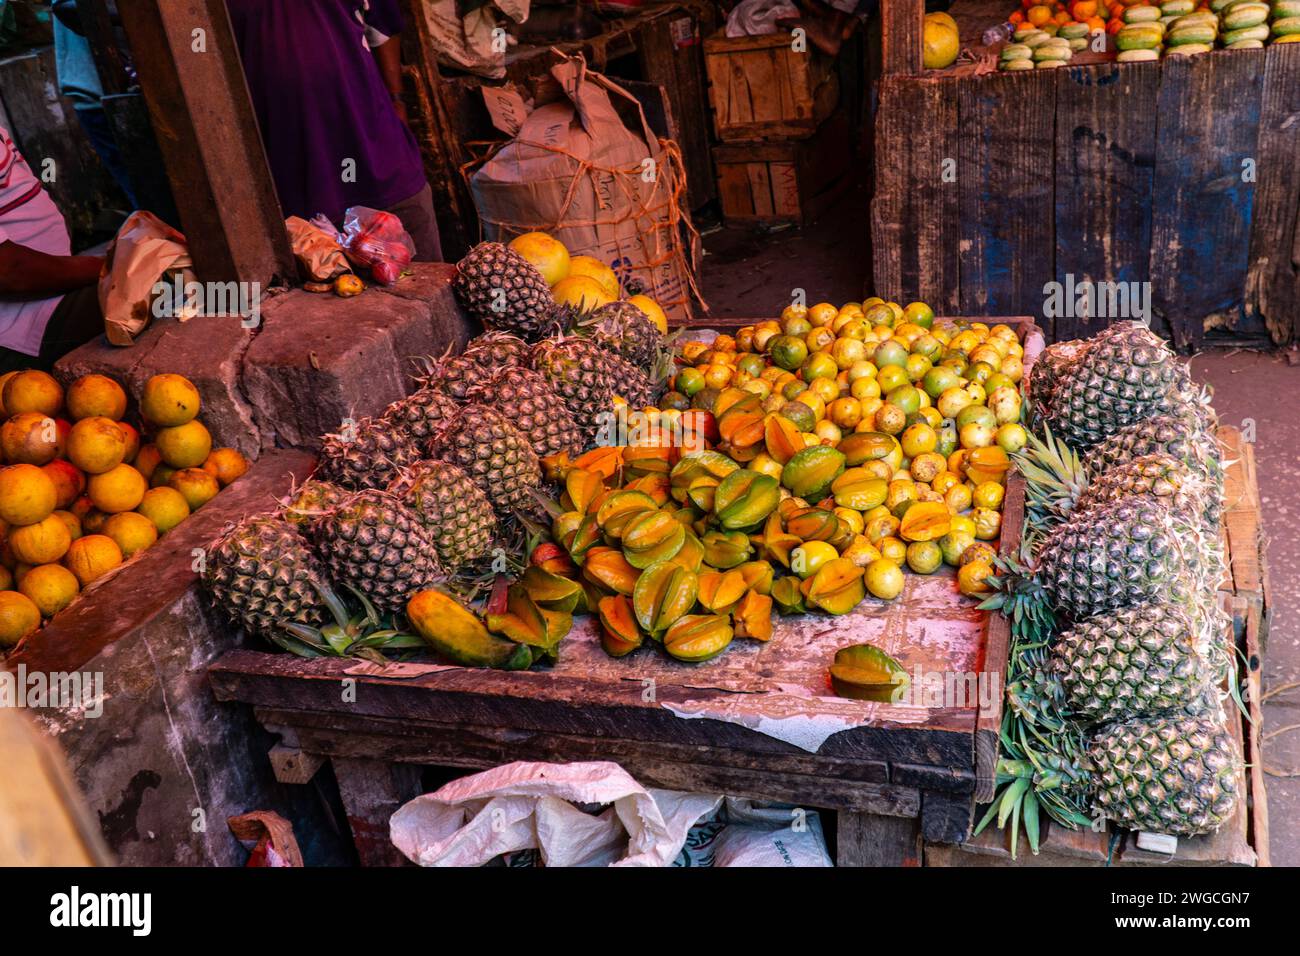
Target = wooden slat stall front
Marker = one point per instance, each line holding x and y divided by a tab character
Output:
1179	173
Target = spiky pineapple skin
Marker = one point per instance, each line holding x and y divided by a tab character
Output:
504	291
368	454
310	500
533	407
496	456
581	374
376	544
264	574
628	332
1134	662
634	386
453	509
483	358
416	417
1175	775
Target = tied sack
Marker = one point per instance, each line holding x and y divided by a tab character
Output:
575	170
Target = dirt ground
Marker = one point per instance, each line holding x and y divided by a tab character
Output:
748	272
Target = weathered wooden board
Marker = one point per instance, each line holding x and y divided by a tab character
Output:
1007	203
900	35
914	215
763	87
1105	158
1273	280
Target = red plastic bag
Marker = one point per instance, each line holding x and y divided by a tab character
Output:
376	240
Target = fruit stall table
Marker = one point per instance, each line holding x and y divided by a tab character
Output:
759	721
1179	173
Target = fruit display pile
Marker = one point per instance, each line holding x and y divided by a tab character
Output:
80	494
1047	34
1119	650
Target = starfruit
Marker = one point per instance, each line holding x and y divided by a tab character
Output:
813	524
663	594
788	596
859	489
691	554
810	472
551	557
781	438
656	486
698	637
584	538
654	460
728	399
777	542
752	617
580	488
865	672
726	549
619	633
564	525
550	590
861	447
652	536
744	498
619	508
524	622
699	428
925	521
604	461
987	464
608	568
758	576
699	470
456	633
719	591
741	425
837	587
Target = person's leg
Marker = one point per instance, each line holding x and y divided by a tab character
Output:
418	219
76	321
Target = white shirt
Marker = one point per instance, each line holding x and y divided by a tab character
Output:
28	217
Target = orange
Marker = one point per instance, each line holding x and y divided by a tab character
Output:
226	465
30	438
18	617
92	556
197	486
95	396
1016	17
132	437
6	579
169	400
590	268
653	311
33	391
1083	9
4	380
68	480
71	522
147	459
582	292
546	254
26	494
40	543
184	446
96	445
119	489
131	531
1095	23
165	507
1039	14
51	587
940	44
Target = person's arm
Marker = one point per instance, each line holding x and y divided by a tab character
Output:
28	274
388	55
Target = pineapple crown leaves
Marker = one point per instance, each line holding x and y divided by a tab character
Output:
1055	477
364	634
1020	597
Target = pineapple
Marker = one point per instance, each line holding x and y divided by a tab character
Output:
523	396
1135	662
581	374
310	500
495	455
482	359
503	290
454	510
377	545
418	416
624	329
1175	775
367	454
633	386
265	576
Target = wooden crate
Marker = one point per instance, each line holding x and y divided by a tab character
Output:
786	180
761	88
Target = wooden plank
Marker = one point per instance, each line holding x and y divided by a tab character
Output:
204	122
1207	126
1007	200
901	35
1254	749
864	840
733	190
915	211
372	791
1105	158
760	187
760	87
1273	277
946	817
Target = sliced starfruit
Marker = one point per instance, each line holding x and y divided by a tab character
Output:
859	489
652	536
698	637
719	591
550	590
781	438
925	521
837	587
810	472
788	596
455	632
752	617
619	508
812	524
744	498
580	488
865	672
608	568
619	633
777	542
664	592
757	575
726	549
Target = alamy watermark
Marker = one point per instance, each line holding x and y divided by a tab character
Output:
180	299
938	689
37	689
1086	299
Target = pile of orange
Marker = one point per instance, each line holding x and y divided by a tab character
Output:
80	493
1095	14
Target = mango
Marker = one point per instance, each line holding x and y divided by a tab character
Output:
457	634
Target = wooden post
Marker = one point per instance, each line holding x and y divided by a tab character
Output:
900	35
194	86
372	791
